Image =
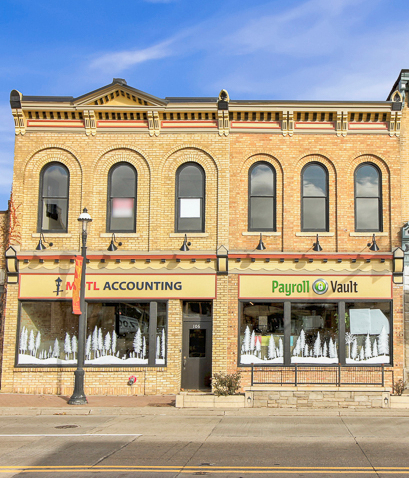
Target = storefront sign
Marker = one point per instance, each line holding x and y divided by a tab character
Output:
315	287
120	286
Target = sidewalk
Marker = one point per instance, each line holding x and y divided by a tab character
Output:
12	404
25	404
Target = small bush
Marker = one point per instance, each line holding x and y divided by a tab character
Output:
226	383
399	387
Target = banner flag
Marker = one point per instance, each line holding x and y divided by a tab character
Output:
77	286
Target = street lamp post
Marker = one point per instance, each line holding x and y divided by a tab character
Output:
78	397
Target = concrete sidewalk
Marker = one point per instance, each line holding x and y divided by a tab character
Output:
25	404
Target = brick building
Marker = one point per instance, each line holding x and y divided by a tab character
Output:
252	232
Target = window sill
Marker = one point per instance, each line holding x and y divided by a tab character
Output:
189	234
255	233
367	234
313	234
51	234
120	234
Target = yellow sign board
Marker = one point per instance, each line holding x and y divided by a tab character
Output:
120	286
315	287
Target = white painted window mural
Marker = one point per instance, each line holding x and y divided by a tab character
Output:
314	333
314	336
117	334
262	333
367	332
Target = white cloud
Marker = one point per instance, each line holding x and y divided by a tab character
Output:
123	60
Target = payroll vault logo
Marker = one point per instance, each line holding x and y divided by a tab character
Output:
320	286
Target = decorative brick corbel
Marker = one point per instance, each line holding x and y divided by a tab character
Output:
151	123
92	123
19	125
220	122
344	123
290	123
226	123
392	124
397	125
338	123
284	123
156	123
86	122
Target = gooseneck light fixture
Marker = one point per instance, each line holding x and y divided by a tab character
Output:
40	245
185	244
78	397
373	246
316	247
112	247
260	246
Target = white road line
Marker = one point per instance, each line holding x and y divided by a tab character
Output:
75	435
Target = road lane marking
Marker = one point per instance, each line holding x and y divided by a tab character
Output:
214	469
74	435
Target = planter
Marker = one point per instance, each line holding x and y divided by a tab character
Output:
207	400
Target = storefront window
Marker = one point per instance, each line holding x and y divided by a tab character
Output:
314	333
48	334
117	334
262	333
367	332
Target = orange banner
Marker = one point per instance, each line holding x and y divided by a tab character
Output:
77	286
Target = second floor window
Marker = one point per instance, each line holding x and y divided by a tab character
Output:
122	188
190	198
53	207
368	198
262	198
314	207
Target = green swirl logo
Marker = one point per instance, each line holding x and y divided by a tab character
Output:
320	286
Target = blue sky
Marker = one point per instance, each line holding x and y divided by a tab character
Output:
293	49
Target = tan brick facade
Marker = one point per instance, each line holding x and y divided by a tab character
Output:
226	154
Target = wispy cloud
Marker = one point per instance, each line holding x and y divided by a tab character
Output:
122	60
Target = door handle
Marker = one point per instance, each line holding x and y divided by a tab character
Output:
184	361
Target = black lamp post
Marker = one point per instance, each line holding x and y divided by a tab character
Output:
78	397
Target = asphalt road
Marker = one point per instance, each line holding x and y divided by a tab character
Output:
185	445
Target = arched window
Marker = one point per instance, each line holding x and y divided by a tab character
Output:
262	198
53	207
314	208
368	198
190	198
122	188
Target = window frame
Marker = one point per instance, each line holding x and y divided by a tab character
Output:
40	228
249	196
326	197
202	197
341	332
110	198
379	197
101	366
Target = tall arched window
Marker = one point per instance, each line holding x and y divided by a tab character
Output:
190	198
53	207
368	198
262	198
122	187
314	208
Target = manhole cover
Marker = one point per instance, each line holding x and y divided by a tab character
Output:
67	426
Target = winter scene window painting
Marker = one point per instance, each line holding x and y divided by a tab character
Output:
367	332
117	334
314	333
262	333
48	334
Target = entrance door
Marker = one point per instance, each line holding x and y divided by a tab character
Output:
197	355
